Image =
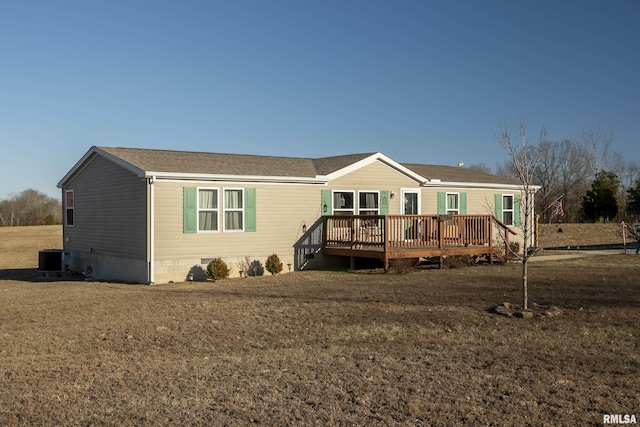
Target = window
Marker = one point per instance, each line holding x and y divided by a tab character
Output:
69	207
207	209
410	201
211	209
453	206
343	203
368	203
233	209
507	209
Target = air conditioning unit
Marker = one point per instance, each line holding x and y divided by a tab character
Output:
51	261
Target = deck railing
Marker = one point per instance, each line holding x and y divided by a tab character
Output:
396	231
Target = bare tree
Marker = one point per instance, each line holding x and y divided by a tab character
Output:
30	207
628	172
572	178
480	167
7	212
596	144
546	175
525	159
562	171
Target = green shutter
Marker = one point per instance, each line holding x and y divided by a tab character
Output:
326	202
442	203
189	209
516	210
249	209
498	212
463	204
384	202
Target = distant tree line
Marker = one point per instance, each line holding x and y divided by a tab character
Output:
596	183
30	207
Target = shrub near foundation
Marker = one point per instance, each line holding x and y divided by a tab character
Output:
273	264
217	269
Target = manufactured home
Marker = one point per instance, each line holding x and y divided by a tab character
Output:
159	216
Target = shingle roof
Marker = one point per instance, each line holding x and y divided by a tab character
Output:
189	162
327	165
457	174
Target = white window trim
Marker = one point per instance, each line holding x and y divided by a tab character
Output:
225	210
355	202
512	210
417	191
198	209
67	208
368	191
451	211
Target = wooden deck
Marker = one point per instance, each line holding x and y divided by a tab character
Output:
387	237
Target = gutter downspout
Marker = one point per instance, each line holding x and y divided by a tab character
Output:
151	251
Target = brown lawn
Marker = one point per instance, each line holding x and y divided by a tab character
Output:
321	348
562	235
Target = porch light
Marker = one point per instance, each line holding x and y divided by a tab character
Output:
289	265
304	228
324	208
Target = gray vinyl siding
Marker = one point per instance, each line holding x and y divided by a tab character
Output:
110	211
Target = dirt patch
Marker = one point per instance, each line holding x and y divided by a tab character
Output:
325	348
508	309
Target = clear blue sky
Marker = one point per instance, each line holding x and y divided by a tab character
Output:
421	81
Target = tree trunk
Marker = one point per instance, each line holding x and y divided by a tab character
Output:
525	296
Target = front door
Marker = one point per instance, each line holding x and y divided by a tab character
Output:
411	199
411	206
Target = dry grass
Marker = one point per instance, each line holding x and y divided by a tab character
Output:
562	235
324	348
19	246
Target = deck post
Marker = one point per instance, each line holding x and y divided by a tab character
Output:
490	221
353	232
440	241
385	236
325	232
507	248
